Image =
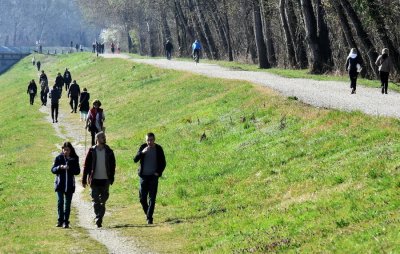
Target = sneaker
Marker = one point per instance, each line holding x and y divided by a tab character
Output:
59	224
66	225
72	111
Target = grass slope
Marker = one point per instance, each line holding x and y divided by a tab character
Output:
272	175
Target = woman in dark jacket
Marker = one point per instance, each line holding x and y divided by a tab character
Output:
353	66
32	90
65	167
84	104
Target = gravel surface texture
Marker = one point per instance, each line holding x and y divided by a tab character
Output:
324	94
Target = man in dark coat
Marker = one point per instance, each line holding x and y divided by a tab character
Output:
152	165
67	78
98	172
59	82
74	92
168	49
32	90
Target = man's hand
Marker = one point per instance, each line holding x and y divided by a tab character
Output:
145	149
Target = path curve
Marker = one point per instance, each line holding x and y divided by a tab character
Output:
75	132
325	94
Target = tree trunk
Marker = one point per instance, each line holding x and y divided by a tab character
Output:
312	37
323	38
288	39
362	35
268	34
260	44
227	31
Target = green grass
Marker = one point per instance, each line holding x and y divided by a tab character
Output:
315	180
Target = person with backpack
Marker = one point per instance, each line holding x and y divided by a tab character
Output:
67	78
65	167
385	66
94	122
44	90
74	92
353	66
84	104
196	48
55	95
32	90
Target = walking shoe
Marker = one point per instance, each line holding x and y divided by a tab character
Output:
149	221
66	225
72	111
59	224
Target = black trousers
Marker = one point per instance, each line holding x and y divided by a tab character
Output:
148	194
73	102
31	98
353	79
384	80
43	97
54	112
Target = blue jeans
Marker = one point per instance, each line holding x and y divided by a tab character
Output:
64	206
148	190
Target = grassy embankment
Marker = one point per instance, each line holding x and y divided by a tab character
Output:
288	177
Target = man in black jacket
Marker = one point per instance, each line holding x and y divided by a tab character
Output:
152	165
59	82
98	172
74	92
67	78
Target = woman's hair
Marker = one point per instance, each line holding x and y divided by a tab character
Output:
353	51
385	51
97	102
69	145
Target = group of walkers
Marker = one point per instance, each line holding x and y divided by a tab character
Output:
354	67
99	174
100	162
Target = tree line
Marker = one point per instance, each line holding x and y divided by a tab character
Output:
50	22
314	34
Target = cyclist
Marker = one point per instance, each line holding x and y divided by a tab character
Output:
168	49
196	47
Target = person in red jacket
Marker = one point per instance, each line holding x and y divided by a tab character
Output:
96	117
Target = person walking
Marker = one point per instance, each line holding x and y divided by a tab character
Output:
43	78
32	90
74	92
38	64
385	66
353	66
65	167
98	173
55	95
59	82
168	49
152	165
84	104
94	122
112	47
33	60
67	78
44	90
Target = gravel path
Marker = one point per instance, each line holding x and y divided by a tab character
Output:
74	132
327	94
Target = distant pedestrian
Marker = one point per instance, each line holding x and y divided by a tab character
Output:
43	77
55	95
73	93
67	78
152	165
168	49
38	65
353	66
84	104
77	47
81	48
385	66
59	82
98	172
33	60
32	90
65	167
112	47
44	90
95	119
94	47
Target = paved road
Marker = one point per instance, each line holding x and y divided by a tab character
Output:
328	94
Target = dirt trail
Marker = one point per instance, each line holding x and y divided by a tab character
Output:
325	94
74	132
